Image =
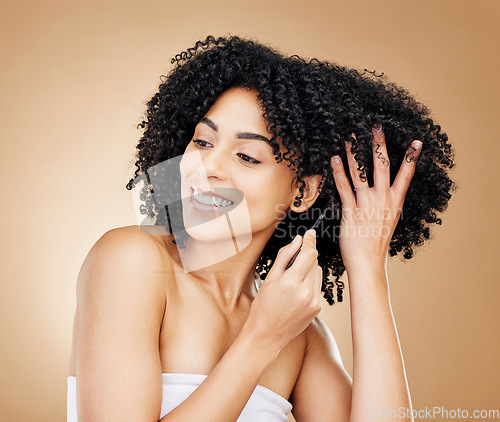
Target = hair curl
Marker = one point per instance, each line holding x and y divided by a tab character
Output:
315	105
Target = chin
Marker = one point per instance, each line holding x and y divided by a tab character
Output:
230	227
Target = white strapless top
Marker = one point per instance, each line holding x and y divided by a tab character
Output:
264	404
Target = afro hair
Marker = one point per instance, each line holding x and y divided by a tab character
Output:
315	106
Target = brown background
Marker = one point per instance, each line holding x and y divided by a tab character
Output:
74	80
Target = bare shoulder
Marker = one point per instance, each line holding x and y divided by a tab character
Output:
321	377
123	259
128	242
130	236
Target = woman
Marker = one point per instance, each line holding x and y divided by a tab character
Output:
177	324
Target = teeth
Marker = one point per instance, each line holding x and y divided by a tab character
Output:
210	200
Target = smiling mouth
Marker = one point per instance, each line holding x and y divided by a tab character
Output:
209	199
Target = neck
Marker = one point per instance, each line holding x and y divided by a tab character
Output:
227	271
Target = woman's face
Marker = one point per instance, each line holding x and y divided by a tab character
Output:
229	156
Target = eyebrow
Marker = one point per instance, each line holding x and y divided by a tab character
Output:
239	135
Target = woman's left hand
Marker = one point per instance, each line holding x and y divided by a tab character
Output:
370	214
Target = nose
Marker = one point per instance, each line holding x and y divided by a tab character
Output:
214	164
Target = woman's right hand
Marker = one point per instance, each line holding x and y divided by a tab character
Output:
288	300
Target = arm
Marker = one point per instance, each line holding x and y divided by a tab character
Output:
379	385
120	301
322	392
369	217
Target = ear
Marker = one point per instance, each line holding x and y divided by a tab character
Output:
311	192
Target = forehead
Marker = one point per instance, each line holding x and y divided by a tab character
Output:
239	109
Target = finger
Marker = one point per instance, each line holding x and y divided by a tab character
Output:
319	285
358	182
318	280
284	256
381	164
314	280
406	171
306	257
342	183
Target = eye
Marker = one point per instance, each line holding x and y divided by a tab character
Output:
248	159
199	143
204	144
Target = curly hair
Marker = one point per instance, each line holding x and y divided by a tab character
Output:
315	106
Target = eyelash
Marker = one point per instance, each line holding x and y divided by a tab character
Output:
250	159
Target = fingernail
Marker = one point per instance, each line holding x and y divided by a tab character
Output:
336	159
296	239
377	127
312	232
417	145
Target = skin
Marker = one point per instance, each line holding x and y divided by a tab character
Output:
138	309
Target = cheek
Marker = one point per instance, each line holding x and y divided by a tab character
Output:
184	171
268	203
191	165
